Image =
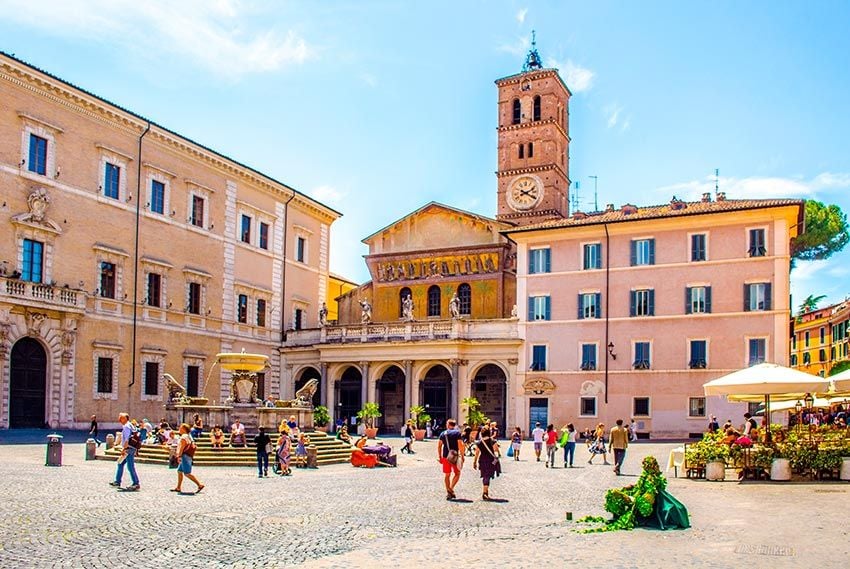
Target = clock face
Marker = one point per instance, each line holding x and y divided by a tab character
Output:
524	193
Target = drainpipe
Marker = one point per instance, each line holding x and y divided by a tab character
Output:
136	270
283	276
607	304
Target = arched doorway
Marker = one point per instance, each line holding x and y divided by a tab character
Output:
28	384
348	395
391	400
489	387
435	393
306	375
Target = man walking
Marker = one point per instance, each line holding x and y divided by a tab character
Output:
450	456
128	454
262	440
551	445
93	430
537	436
619	442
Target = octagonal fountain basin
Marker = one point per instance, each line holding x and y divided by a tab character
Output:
242	362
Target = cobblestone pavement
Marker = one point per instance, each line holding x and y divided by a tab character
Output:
339	516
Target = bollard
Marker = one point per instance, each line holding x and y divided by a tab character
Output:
91	449
54	450
110	441
312	457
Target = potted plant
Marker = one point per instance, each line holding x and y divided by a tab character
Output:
474	417
417	413
321	418
368	414
715	454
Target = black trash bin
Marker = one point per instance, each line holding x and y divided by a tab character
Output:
54	450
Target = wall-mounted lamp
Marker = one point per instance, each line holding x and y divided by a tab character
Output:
82	285
23	161
130	197
209	311
58	172
173	213
170	304
96	292
611	351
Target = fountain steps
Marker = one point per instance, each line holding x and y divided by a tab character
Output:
330	451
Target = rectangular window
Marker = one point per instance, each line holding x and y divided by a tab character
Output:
643	252
111	179
245	230
299	319
698	252
192	380
538	358
154	290
589	305
808	337
151	378
264	235
157	196
699	354
261	312
38	155
300	249
807	358
640	407
756	297
642	355
757	351
242	309
794	342
642	303
539	261
539	308
591	256
757	243
698	300
33	261
793	360
104	375
696	407
588	357
197	218
822	335
107	280
588	407
821	355
193	304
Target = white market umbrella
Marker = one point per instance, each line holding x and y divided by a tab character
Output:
765	380
819	403
841	381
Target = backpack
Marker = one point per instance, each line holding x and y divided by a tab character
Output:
135	440
190	449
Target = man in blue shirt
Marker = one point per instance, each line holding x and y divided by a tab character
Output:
128	455
450	456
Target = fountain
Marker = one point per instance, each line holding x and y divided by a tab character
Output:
242	403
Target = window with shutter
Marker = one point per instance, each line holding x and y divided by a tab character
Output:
642	355
757	243
588	357
538	358
699	358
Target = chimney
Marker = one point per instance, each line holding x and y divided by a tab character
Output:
706	197
609	207
721	196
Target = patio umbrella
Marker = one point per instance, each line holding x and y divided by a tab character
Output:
841	381
819	403
766	380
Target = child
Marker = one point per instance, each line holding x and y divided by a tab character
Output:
301	451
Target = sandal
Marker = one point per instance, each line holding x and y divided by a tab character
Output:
201	487
175	490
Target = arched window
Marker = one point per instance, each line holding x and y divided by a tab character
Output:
464	294
517	111
521	151
537	108
531	150
434	301
402	294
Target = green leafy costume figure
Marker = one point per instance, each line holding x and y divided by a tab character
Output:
646	503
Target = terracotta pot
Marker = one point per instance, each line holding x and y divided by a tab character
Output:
715	470
419	434
780	469
371	432
323	428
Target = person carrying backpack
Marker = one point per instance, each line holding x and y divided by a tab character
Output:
185	454
131	443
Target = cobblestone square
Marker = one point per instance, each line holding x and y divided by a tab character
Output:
339	516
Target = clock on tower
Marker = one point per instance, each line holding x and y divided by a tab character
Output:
533	144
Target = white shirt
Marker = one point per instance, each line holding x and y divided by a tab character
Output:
537	434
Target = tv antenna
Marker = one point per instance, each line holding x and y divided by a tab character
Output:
716	181
595	192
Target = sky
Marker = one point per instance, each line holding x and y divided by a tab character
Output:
376	108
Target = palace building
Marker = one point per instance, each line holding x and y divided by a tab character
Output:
130	251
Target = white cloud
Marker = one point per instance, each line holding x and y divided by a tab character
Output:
217	36
761	187
577	78
612	111
520	15
328	194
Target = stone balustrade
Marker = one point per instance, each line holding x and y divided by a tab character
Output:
460	329
41	294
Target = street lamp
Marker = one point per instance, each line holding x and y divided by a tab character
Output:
798	407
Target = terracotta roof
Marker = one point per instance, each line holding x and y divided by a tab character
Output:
672	209
438	205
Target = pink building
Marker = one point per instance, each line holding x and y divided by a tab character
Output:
628	312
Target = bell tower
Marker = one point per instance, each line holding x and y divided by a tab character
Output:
533	164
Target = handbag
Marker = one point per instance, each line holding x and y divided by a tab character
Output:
510	450
453	456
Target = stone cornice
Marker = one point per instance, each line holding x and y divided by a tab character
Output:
525	125
531	170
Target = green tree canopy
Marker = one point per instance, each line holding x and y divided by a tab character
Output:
811	303
826	233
